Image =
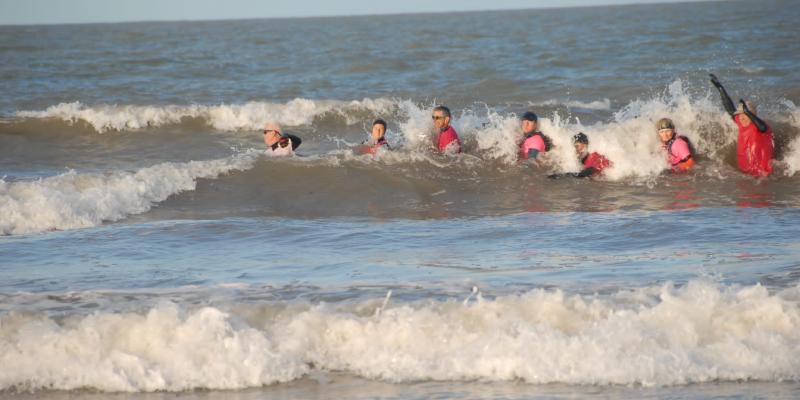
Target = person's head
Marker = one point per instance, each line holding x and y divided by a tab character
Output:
581	142
272	133
666	129
743	118
378	129
441	117
529	122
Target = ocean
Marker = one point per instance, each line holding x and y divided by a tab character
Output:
151	248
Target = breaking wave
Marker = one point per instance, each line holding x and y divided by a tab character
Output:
76	200
233	117
655	336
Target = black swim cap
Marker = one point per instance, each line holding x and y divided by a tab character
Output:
580	137
530	116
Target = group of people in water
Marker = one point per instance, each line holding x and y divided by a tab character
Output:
754	146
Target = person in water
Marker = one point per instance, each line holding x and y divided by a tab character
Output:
377	139
447	140
593	163
754	146
534	141
279	143
679	149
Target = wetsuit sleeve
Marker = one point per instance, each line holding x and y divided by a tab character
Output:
532	154
726	100
295	141
587	172
760	124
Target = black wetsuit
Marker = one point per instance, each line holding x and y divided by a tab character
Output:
283	142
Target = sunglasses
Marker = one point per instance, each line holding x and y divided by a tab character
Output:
436	117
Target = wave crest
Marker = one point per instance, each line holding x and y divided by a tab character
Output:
792	156
233	117
656	336
73	200
626	137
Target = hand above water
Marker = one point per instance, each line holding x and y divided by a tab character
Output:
744	106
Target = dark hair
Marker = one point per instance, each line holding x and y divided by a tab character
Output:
380	122
443	109
580	137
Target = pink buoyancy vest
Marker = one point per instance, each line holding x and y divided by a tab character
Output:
446	137
533	141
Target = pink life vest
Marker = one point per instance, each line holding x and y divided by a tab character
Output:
754	149
679	151
534	141
446	137
377	146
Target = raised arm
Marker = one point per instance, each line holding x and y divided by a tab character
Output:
726	100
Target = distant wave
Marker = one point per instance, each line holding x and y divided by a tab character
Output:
604	104
627	138
74	200
233	117
655	336
237	117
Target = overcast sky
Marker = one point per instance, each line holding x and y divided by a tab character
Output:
16	12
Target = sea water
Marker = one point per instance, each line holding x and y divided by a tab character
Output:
150	248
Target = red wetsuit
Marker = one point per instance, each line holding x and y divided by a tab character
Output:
754	149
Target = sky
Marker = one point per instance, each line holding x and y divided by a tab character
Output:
28	12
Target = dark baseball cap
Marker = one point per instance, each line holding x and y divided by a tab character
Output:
530	116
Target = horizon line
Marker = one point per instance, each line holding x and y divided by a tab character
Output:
388	14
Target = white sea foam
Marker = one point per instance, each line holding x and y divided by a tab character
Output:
74	200
655	336
629	140
792	156
166	349
232	117
415	132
